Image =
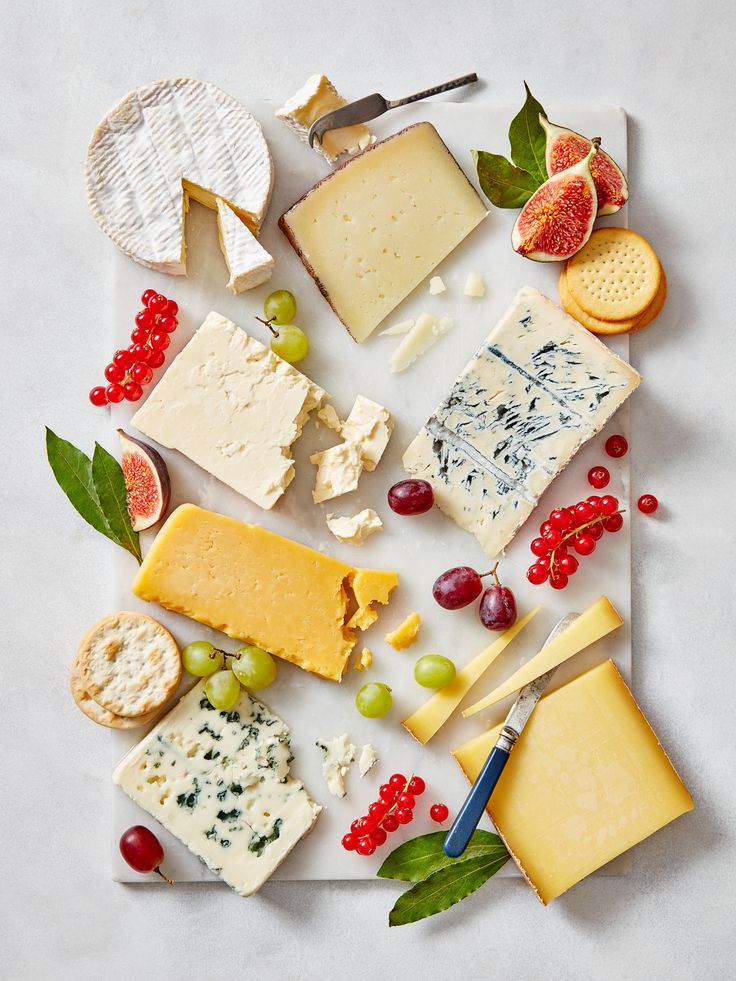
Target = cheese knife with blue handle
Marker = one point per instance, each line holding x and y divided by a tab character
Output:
459	835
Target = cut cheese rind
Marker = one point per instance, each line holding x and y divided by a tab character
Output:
536	390
247	261
586	781
234	408
219	782
596	622
316	98
371	231
430	717
236	577
159	146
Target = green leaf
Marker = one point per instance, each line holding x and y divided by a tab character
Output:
504	185
110	486
73	472
419	857
528	139
446	887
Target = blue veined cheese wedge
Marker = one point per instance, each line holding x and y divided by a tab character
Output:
219	782
538	388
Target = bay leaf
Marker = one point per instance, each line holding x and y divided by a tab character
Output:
73	471
419	857
109	484
505	185
528	140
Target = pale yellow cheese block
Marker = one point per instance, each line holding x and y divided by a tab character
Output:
586	780
258	587
371	231
430	717
598	620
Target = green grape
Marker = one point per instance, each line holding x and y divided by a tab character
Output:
291	343
434	671
253	667
222	690
373	700
279	306
202	659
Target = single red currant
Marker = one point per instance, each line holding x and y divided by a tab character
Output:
144	319
584	512
404	816
416	786
439	812
114	373
148	295
537	574
355	826
349	841
133	391
377	810
390	823
616	446
123	359
545	527
160	340
584	543
156	358
366	845
609	504
545	560
388	793
647	504
140	352
406	801
561	518
140	335
397	781
558	580
98	396
379	836
595	531
568	565
599	477
539	546
172	308
553	538
115	393
141	373
594	501
166	323
614	523
158	303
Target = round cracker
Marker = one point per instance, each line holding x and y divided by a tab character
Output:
129	664
86	704
593	324
655	307
615	275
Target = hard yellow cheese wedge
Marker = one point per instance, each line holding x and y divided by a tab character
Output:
586	780
597	621
258	587
405	634
430	717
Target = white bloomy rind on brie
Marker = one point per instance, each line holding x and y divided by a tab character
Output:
219	782
354	529
315	98
234	408
247	261
339	754
538	388
161	145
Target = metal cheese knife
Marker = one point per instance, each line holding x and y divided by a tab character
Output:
459	835
375	105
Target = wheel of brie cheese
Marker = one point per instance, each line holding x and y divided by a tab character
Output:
161	145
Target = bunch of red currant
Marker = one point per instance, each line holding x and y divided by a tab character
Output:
395	806
132	367
578	528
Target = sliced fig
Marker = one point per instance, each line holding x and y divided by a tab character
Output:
557	220
565	148
146	482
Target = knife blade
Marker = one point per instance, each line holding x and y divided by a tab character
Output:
459	835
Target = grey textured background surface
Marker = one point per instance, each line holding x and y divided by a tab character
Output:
671	66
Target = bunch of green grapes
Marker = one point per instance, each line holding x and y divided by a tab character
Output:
250	667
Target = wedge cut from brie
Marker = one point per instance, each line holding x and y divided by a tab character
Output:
247	261
315	98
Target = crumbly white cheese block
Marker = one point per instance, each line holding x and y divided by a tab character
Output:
233	407
338	471
537	389
437	286
475	286
423	335
339	754
368	759
315	98
370	425
247	261
356	528
161	145
219	782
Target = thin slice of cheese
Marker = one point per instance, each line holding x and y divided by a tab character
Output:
596	622
587	780
423	335
258	587
371	231
430	717
247	261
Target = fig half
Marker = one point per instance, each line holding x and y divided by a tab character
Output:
557	220
147	482
565	148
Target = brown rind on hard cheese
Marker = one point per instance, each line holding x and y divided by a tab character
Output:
283	220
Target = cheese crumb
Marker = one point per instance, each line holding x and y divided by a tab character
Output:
339	754
330	418
406	633
475	286
437	286
356	529
365	660
368	759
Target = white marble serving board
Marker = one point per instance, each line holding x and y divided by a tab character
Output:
418	548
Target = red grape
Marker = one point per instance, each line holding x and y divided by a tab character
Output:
410	497
142	850
497	608
457	587
616	446
439	812
648	504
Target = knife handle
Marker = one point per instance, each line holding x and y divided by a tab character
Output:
456	83
459	835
